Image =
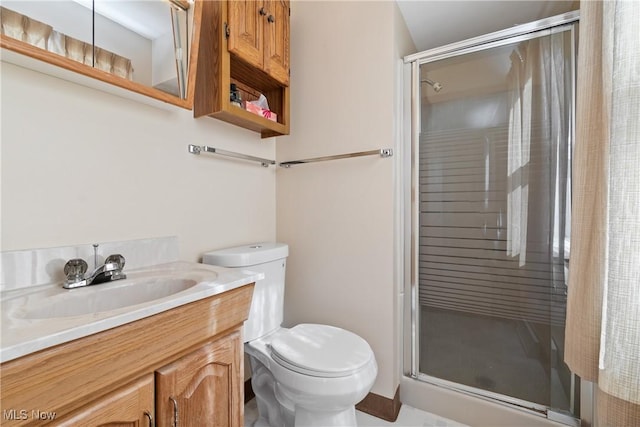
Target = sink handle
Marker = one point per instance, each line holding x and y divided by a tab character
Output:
74	269
116	259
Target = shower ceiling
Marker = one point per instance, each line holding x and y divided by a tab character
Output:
436	23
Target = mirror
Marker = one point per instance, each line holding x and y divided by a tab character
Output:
143	41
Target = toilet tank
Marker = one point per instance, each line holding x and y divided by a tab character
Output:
267	305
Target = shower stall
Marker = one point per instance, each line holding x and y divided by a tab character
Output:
492	130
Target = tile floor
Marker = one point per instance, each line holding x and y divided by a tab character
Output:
408	417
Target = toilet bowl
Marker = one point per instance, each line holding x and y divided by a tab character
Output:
307	375
316	373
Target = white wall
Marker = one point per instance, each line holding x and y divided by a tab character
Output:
338	217
80	165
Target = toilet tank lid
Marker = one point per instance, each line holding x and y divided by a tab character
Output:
247	255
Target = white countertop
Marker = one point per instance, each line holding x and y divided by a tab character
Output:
35	318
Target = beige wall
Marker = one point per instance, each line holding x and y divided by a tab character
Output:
80	166
338	217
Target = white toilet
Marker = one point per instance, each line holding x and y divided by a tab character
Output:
309	375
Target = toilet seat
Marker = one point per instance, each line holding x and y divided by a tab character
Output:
320	351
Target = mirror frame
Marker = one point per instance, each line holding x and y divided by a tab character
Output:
31	51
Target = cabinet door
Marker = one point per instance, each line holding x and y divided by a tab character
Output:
203	387
246	38
276	44
129	406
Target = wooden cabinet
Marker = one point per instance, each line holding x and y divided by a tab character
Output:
202	388
245	43
192	353
129	406
199	389
259	34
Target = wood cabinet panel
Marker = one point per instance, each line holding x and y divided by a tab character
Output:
202	388
125	407
276	46
246	36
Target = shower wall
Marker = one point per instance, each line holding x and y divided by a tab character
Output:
464	261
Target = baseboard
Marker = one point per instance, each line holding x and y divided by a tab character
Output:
372	404
380	406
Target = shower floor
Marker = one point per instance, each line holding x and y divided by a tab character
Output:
488	353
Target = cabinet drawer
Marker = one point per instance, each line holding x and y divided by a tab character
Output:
129	406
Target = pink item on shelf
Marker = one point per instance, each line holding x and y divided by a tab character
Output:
267	114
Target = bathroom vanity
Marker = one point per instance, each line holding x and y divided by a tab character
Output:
179	366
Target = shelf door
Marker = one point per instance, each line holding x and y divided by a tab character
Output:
202	388
276	46
246	38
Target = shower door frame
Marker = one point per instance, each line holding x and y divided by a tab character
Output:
559	23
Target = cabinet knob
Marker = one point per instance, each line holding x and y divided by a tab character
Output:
271	19
262	11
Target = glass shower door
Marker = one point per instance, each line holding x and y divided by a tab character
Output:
493	212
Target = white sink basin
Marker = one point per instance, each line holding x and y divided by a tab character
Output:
107	297
38	317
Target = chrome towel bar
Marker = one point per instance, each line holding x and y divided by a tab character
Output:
383	152
196	149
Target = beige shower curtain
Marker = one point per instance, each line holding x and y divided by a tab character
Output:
603	314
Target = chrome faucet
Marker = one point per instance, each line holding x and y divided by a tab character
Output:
76	268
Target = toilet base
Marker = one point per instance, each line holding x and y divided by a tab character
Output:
270	412
275	409
306	418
